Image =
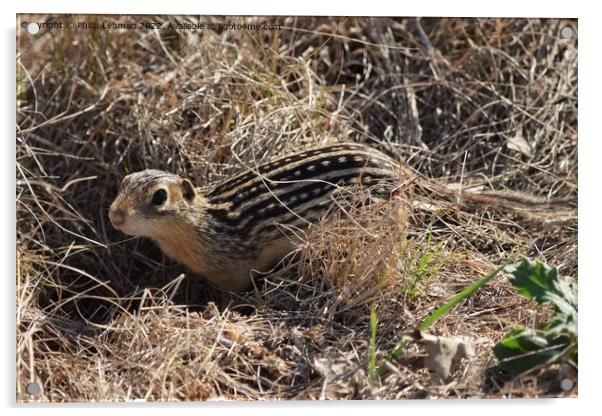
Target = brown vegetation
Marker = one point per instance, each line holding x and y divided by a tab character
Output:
102	317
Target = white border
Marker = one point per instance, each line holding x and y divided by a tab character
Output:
589	183
462	8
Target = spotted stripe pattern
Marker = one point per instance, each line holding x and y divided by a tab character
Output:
296	189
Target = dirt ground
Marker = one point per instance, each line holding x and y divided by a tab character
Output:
489	103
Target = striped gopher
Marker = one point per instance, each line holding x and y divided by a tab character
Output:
241	224
247	222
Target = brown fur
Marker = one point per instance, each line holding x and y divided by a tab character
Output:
194	231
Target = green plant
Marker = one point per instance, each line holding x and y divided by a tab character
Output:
372	363
422	266
524	350
438	313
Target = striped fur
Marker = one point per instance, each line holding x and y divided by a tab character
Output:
296	189
241	224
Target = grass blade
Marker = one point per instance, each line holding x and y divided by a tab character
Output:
372	363
438	313
457	298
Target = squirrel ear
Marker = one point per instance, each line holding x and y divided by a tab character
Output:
187	190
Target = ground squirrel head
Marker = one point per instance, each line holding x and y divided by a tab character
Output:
151	202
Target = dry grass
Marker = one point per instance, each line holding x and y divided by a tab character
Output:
101	317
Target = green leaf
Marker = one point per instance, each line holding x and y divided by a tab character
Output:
523	350
534	280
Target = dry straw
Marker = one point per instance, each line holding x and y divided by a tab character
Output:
490	103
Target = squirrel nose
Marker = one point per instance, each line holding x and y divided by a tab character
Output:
117	217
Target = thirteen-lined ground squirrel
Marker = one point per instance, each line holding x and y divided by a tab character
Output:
244	223
240	225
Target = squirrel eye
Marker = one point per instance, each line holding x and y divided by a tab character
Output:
159	197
